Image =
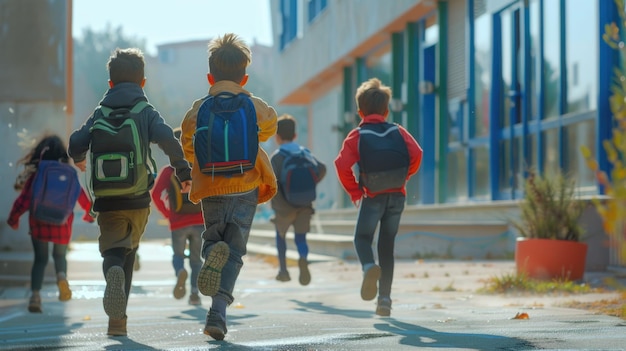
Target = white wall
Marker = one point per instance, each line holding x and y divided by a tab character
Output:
338	30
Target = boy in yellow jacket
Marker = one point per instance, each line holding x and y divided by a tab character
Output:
228	201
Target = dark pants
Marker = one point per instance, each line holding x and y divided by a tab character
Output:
41	250
386	209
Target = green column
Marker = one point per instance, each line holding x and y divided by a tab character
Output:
442	102
361	70
412	106
397	72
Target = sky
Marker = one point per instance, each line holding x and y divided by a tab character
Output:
169	21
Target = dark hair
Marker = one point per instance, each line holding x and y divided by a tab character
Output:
126	65
228	58
49	147
372	97
286	127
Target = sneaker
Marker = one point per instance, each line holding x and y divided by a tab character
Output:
383	308
215	326
369	287
34	304
305	275
194	299
283	276
179	289
65	293
210	275
117	327
114	300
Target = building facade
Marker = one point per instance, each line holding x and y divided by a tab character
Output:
490	88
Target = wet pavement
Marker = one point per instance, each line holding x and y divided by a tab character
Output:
436	306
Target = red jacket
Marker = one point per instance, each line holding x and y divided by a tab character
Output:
58	234
161	201
349	155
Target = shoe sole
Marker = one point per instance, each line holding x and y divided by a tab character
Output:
305	274
179	289
210	275
65	293
195	302
117	330
114	300
383	311
369	288
283	278
214	332
34	307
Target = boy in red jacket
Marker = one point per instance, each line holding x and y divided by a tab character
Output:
387	156
186	223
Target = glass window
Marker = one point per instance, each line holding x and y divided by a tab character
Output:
289	21
481	159
506	79
457	176
581	40
315	7
534	151
577	135
455	121
534	58
551	59
482	74
166	55
505	164
550	151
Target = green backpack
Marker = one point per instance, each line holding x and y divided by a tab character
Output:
120	164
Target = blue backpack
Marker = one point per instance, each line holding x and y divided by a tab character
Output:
55	192
384	157
226	141
299	176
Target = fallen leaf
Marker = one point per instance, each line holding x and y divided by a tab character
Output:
522	315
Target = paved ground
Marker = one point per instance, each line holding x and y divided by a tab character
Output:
436	307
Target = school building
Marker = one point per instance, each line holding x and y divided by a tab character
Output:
489	88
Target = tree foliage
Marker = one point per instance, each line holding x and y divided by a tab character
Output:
91	53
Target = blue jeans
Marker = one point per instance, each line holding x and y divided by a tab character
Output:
386	209
41	250
180	236
229	218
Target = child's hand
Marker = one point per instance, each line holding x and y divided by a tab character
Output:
185	186
15	225
88	218
357	203
82	165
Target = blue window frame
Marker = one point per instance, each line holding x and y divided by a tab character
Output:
315	8
289	21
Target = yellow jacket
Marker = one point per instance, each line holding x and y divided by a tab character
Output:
262	176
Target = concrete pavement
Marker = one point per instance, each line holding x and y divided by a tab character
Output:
435	307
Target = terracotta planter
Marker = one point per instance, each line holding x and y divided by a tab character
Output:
548	259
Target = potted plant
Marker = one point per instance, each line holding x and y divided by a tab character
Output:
549	245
